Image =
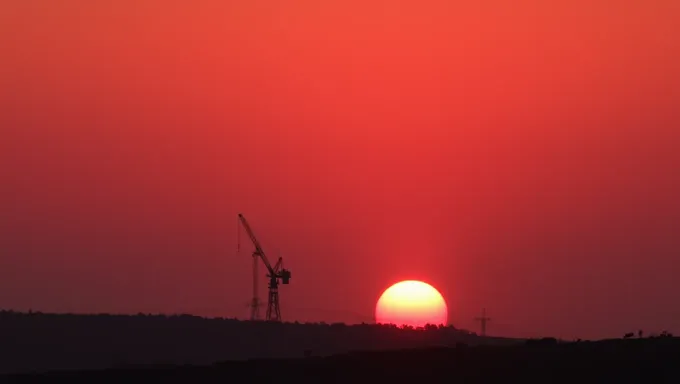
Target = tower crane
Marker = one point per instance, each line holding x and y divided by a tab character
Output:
275	274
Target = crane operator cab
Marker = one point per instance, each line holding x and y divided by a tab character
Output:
285	276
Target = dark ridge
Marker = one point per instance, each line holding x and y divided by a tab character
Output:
651	360
38	342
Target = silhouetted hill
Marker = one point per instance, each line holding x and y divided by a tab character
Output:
41	342
610	361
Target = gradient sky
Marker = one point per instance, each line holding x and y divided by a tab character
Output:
518	155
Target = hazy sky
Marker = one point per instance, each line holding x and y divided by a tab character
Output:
518	155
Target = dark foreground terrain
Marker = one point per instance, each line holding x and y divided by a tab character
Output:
611	361
35	342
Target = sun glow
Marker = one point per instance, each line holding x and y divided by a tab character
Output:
413	303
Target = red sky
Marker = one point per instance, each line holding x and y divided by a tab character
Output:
517	155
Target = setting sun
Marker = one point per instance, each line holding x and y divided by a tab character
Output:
411	303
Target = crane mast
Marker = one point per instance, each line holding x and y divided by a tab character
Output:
275	273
